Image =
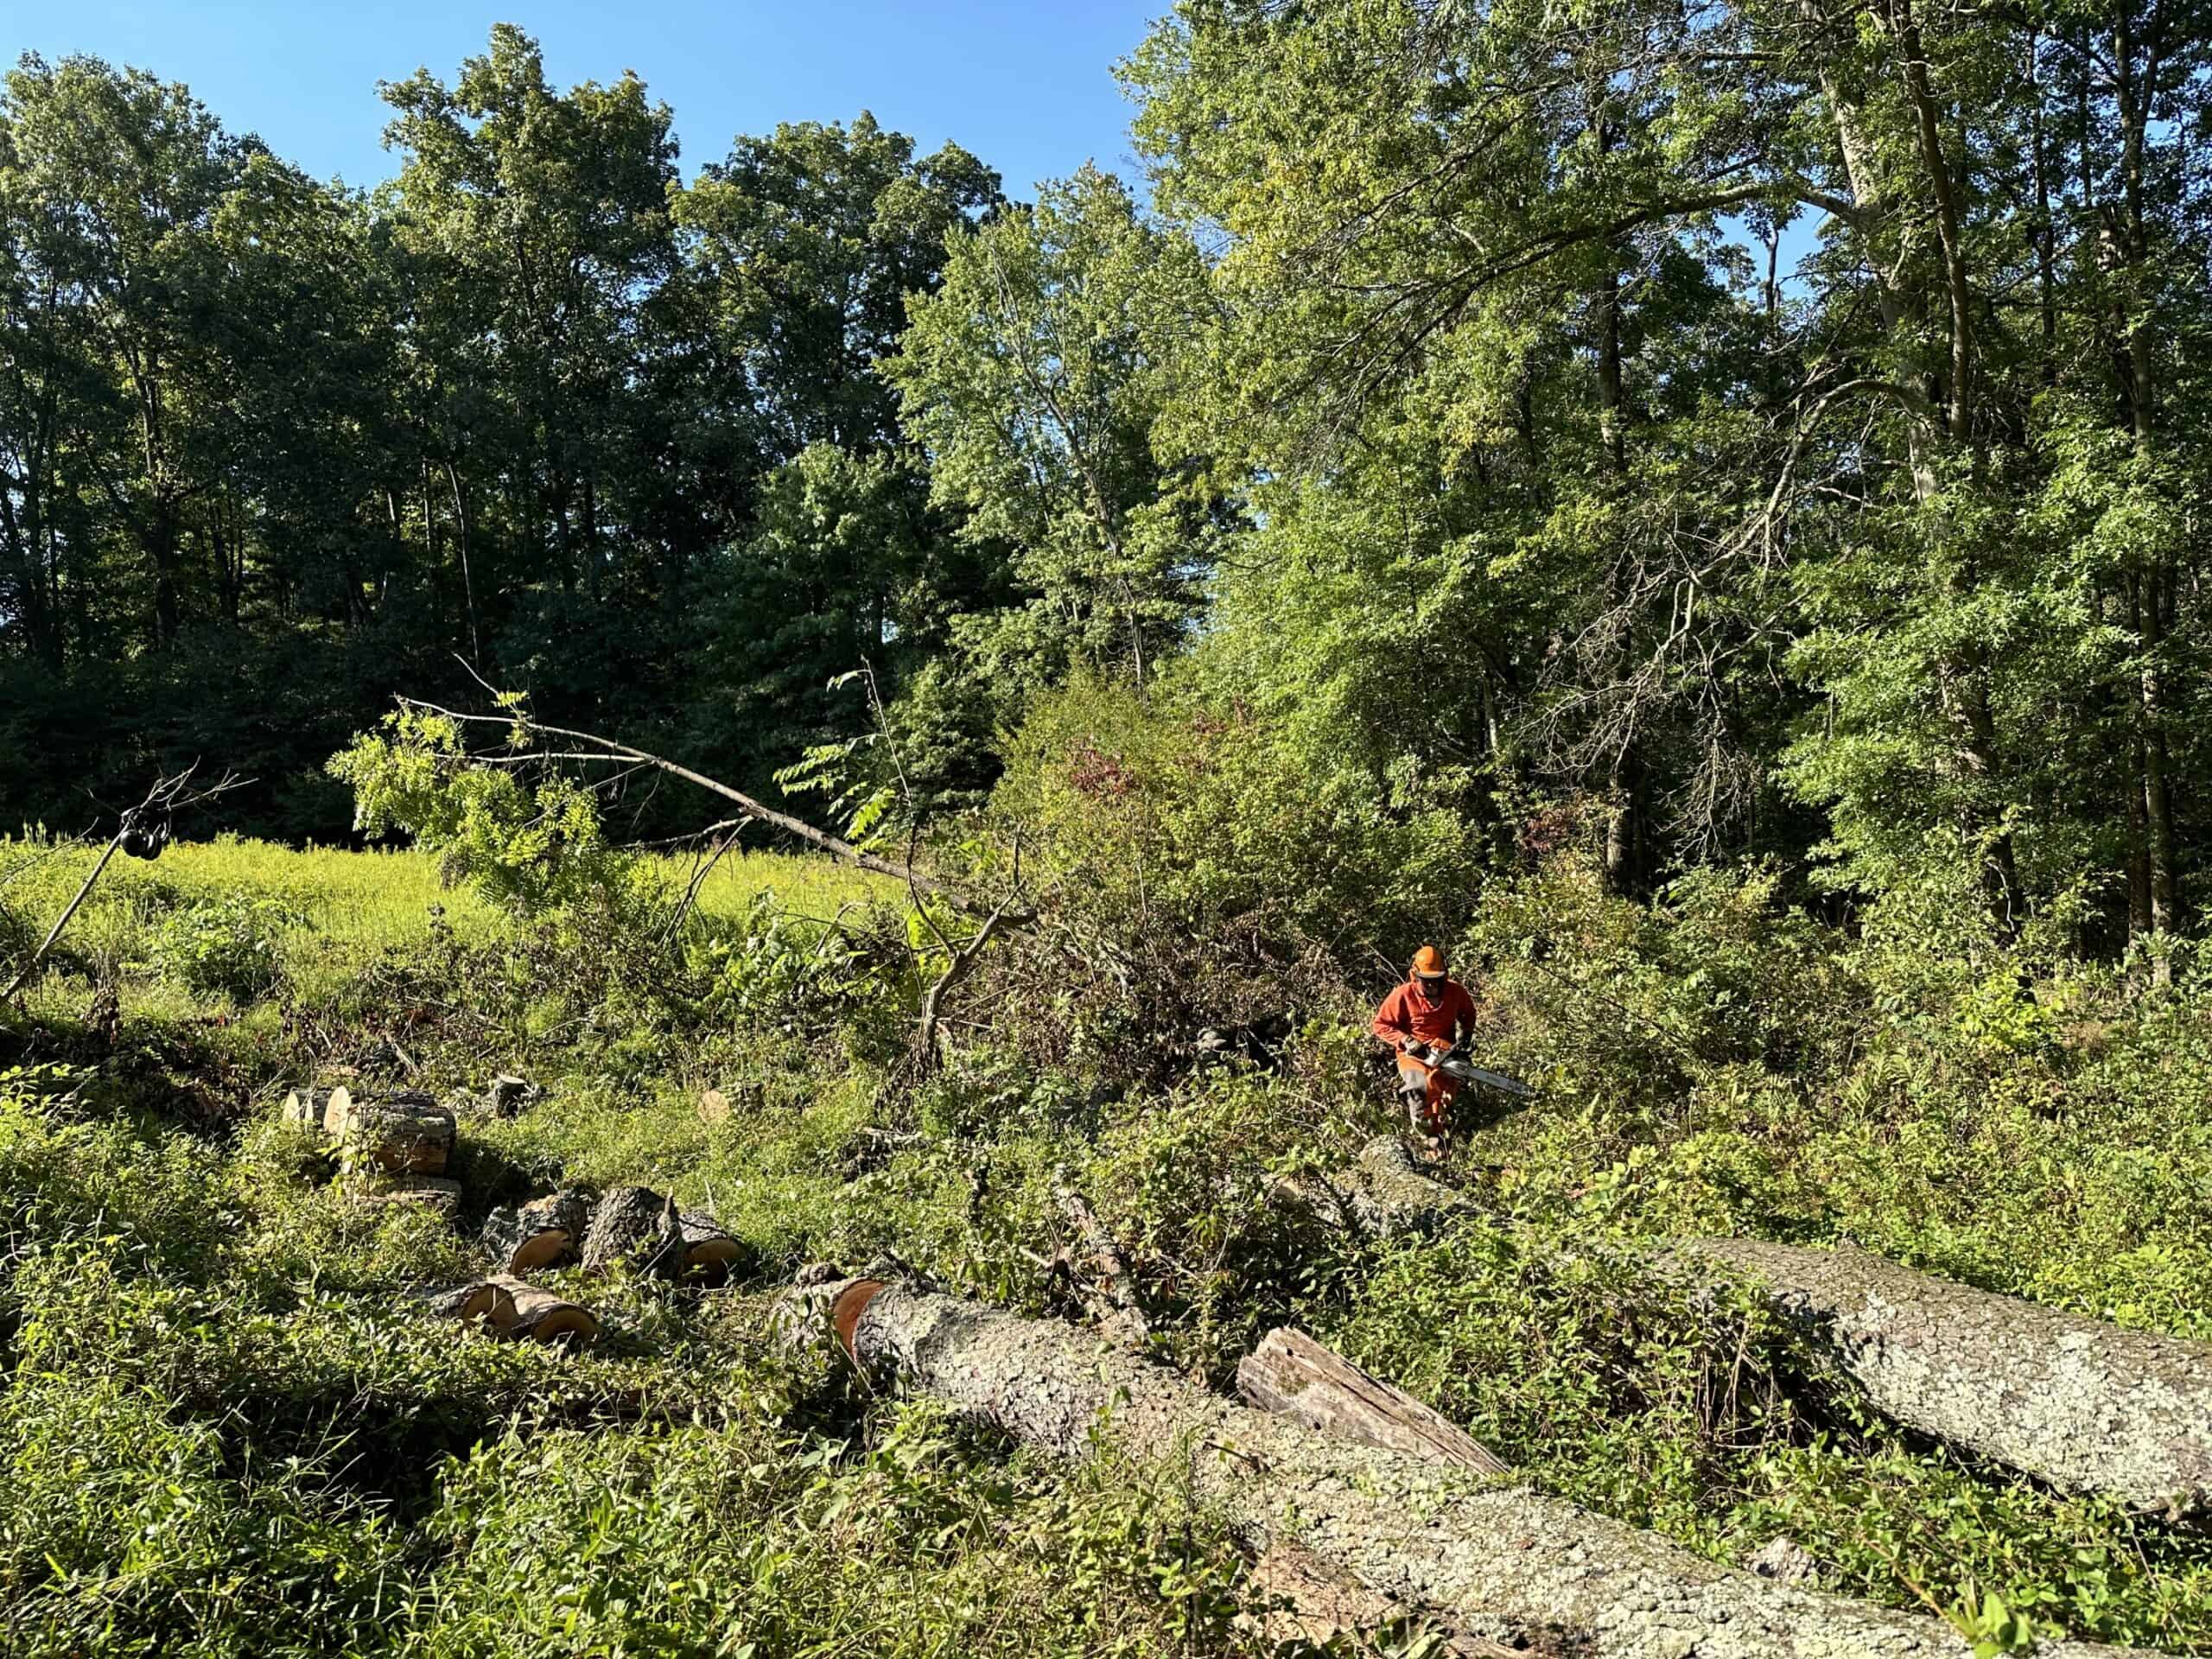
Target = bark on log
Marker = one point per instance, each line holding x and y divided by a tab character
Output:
638	1225
1109	1293
1494	1560
543	1233
401	1134
1295	1376
2086	1406
710	1254
526	1312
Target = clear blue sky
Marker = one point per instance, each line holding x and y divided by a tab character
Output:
1026	87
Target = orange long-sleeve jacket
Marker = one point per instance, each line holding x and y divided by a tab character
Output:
1406	1015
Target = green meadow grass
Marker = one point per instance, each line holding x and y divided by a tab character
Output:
344	898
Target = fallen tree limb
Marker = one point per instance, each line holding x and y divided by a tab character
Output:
2086	1406
1495	1560
607	748
517	1311
1108	1291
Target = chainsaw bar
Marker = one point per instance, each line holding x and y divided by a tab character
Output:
1498	1080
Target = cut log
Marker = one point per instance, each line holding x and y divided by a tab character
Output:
401	1134
1493	1560
528	1313
2086	1406
1295	1376
543	1233
638	1225
506	1095
710	1254
517	1311
482	1300
317	1108
1109	1290
434	1192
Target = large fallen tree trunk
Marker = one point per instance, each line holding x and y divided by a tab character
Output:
2084	1405
1492	1559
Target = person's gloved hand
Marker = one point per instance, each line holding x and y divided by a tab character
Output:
1420	1050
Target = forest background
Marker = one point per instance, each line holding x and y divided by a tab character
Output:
1446	418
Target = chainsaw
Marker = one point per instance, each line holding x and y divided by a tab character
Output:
1453	1064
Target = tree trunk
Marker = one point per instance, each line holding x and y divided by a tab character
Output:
1295	1376
2086	1406
1495	1560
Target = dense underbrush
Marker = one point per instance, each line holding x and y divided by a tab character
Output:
230	1429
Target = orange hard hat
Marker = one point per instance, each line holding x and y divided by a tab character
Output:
1428	963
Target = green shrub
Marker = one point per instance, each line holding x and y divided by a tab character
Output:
225	947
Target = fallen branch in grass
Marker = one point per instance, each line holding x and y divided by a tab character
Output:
143	829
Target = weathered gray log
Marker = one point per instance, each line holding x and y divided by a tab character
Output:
542	1233
710	1254
2086	1406
318	1108
1493	1560
639	1226
1295	1376
1109	1290
1381	1193
401	1134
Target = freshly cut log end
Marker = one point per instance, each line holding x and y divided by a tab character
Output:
1295	1376
316	1108
543	1233
710	1255
518	1311
401	1134
482	1300
2086	1406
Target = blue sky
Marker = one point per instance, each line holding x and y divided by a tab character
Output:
1027	87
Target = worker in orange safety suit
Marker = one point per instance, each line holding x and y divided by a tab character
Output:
1421	1020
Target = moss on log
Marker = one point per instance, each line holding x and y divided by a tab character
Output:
1494	1560
2086	1406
